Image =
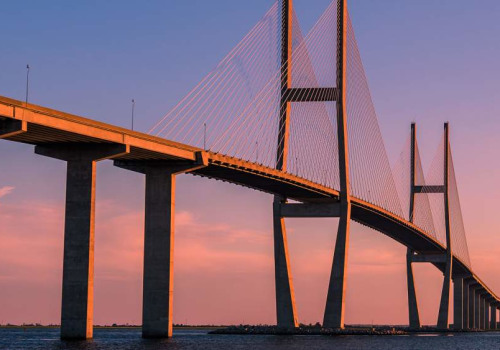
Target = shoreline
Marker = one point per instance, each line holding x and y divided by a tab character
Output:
372	330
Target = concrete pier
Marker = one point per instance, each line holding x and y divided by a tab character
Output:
472	307
286	313
458	303
486	313
477	310
481	312
493	316
157	306
78	264
158	253
465	304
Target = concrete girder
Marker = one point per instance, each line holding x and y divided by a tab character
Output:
11	127
309	210
429	258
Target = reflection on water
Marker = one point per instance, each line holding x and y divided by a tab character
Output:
199	339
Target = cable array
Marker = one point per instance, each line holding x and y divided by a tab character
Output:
458	236
215	112
370	171
435	176
313	148
422	213
235	111
401	173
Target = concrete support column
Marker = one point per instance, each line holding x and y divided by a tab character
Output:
413	314
486	314
458	303
477	312
158	254
465	305
493	317
481	312
286	313
472	308
78	264
157	305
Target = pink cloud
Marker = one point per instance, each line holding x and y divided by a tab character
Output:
5	190
223	272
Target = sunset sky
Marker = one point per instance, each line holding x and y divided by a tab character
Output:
427	61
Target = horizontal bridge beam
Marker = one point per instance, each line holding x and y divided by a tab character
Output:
311	94
429	258
11	127
310	210
429	189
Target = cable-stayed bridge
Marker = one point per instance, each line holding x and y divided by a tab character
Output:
284	113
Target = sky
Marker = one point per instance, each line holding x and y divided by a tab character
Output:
427	62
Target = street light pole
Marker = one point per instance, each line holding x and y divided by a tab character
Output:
27	81
133	107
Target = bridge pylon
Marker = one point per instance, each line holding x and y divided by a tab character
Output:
413	313
286	313
446	259
443	317
335	301
285	299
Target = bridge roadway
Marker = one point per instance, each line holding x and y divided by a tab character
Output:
40	126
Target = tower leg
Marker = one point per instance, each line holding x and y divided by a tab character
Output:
335	302
443	319
413	313
286	314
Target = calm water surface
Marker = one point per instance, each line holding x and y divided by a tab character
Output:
194	340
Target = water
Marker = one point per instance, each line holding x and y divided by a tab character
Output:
197	340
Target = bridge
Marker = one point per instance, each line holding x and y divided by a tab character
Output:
286	114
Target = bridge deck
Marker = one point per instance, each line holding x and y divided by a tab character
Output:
38	125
